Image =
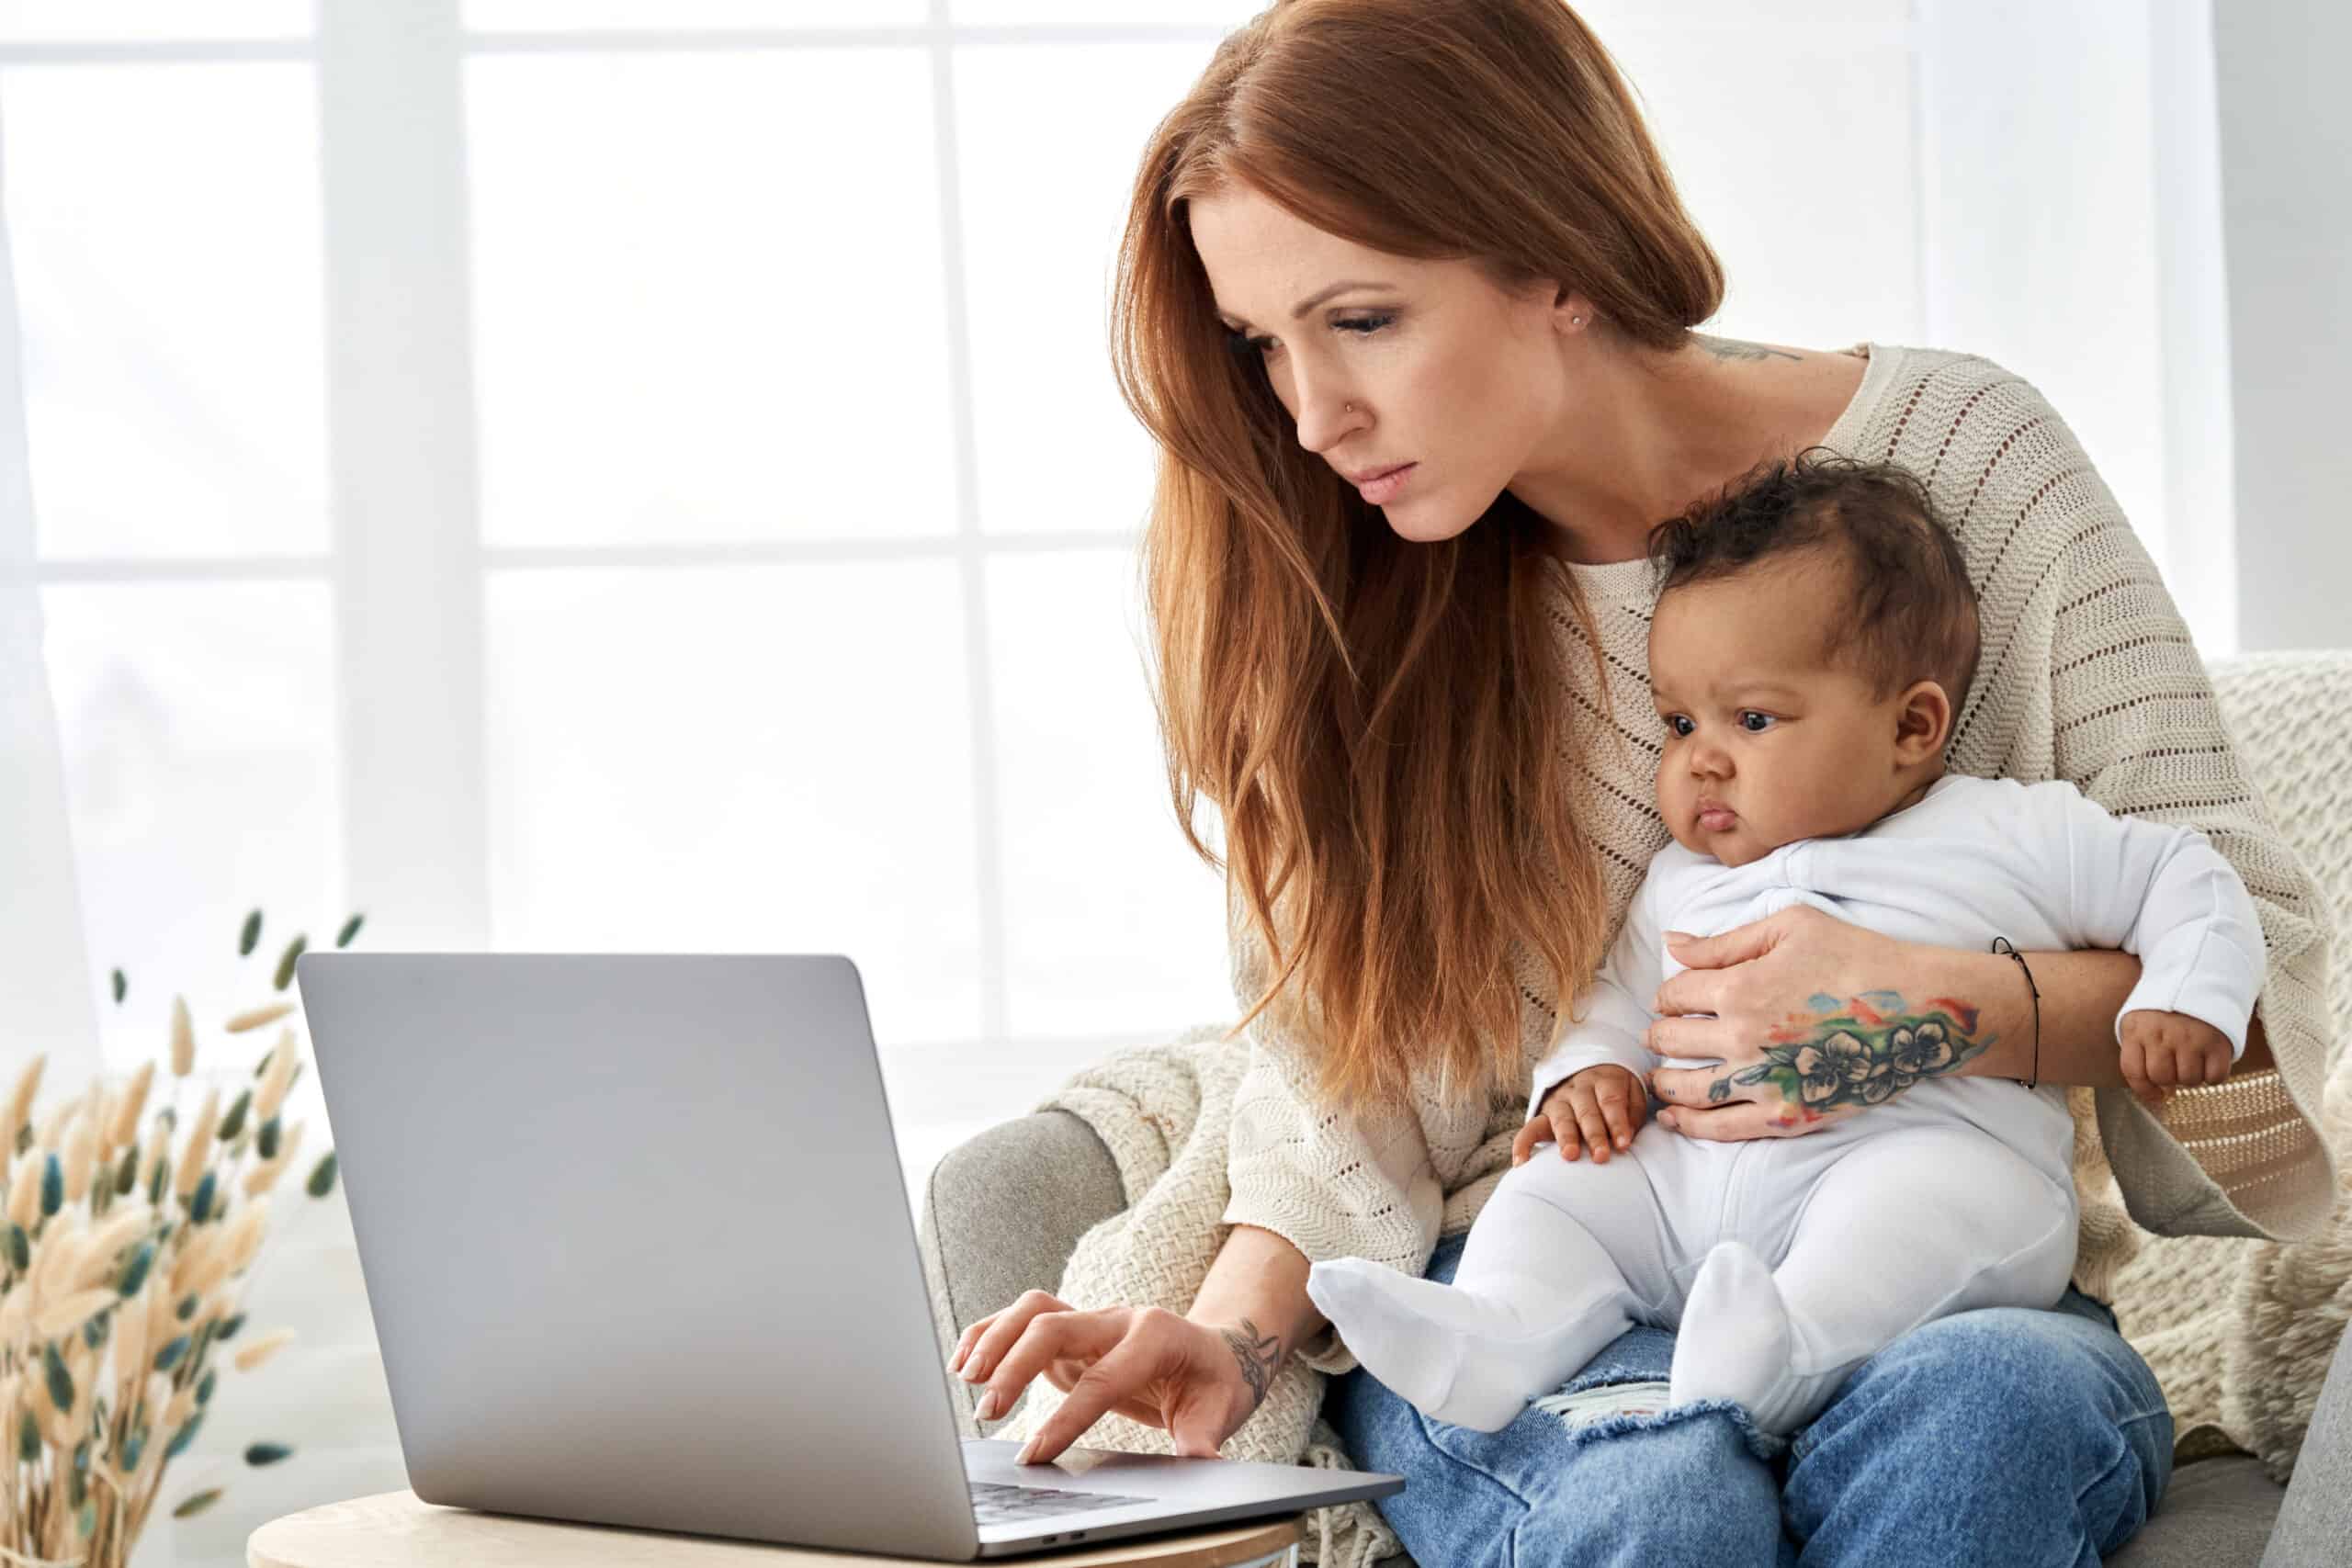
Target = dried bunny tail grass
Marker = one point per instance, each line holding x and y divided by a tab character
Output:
130	1339
55	1425
254	1017
107	1241
183	1038
195	1259
163	1317
263	1176
24	1193
183	1404
198	1149
125	1126
246	1232
214	1268
263	1348
158	1144
57	1261
81	1153
276	1077
20	1099
52	1126
67	1317
264	1173
15	1319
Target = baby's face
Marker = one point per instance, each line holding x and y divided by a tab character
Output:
1765	743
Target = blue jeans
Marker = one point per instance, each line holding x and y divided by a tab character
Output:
2000	1435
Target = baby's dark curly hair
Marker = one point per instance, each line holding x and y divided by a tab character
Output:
1908	610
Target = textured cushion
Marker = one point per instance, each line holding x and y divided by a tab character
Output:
2216	1514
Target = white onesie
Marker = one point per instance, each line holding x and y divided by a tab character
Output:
1786	1262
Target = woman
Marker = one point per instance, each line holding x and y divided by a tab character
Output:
1384	233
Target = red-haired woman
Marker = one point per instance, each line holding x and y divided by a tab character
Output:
1409	300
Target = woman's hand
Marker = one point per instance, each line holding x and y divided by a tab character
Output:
1811	1023
1198	1382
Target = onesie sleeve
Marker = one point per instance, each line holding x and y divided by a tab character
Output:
2161	891
1618	1016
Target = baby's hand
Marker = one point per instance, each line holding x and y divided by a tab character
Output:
1592	1107
2164	1051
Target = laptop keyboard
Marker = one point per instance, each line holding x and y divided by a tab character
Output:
994	1502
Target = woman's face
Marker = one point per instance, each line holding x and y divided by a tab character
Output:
1446	371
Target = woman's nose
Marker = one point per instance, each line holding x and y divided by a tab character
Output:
1324	418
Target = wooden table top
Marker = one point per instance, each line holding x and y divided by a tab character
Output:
393	1530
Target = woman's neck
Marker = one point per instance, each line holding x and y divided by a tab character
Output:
1652	433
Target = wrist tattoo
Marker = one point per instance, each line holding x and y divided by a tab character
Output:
1259	1354
1734	348
1865	1053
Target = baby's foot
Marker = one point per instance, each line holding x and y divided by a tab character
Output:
1736	1342
1454	1356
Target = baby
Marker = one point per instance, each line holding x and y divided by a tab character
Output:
1812	643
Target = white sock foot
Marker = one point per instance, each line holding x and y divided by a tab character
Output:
1736	1342
1454	1355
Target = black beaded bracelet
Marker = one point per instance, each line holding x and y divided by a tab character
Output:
2001	944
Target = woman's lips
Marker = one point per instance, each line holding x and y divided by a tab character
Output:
1717	819
1383	490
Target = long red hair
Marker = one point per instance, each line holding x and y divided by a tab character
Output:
1383	725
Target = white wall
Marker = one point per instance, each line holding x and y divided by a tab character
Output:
2286	156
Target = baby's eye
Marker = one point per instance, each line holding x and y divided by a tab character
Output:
1747	713
1674	723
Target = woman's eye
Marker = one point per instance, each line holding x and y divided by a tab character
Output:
1747	713
1361	326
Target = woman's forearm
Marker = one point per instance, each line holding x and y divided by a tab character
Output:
2081	993
1255	1294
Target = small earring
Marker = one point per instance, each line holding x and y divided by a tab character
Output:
1576	321
1352	408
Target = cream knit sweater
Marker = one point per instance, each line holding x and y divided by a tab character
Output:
2087	673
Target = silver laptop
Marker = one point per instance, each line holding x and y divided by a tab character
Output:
638	1245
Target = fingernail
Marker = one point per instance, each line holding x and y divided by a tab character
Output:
988	1405
1666	1117
1028	1451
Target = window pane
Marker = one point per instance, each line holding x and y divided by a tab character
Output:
708	297
582	15
166	224
197	722
1043	213
50	21
1111	923
761	759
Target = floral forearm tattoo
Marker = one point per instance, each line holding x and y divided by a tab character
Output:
1866	1052
1259	1354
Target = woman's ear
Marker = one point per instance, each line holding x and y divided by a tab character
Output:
1922	722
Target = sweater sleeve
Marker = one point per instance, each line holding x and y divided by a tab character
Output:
1355	1184
2134	725
1618	1019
